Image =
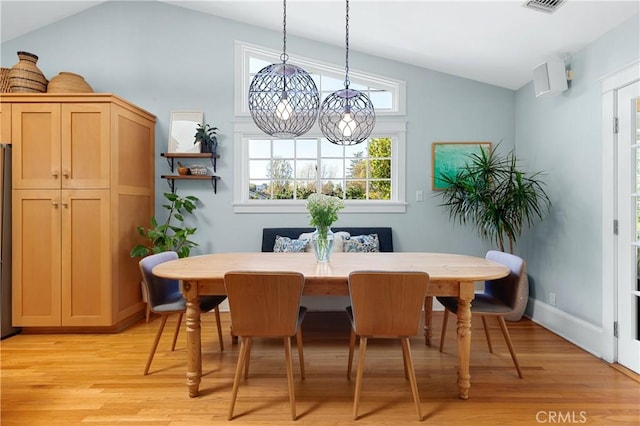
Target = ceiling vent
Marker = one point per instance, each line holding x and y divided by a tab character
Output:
546	6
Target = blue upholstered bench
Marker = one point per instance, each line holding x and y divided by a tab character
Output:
384	235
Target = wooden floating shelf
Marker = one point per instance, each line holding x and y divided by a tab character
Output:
171	178
171	156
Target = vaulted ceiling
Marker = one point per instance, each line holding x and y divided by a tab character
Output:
496	42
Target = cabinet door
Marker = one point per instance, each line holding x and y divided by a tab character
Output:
86	254
85	145
36	258
5	122
35	136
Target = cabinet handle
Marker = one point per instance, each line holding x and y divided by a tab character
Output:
65	205
65	174
54	174
55	204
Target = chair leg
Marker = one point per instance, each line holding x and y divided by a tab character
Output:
443	333
248	356
288	358
486	332
148	312
507	338
352	346
356	399
404	364
217	312
175	334
300	352
163	321
236	379
408	360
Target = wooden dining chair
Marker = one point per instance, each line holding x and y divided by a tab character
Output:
164	298
497	300
386	304
265	304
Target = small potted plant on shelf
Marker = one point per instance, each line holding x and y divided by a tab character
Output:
206	135
168	235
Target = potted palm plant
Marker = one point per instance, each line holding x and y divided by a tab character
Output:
491	194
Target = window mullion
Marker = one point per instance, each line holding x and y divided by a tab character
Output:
319	165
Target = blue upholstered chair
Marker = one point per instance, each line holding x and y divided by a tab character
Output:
165	298
498	299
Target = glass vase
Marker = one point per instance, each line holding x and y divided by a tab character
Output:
322	240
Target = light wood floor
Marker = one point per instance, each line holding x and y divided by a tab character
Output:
97	380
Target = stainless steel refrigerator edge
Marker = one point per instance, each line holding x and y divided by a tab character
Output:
5	245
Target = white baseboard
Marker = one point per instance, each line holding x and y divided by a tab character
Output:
577	331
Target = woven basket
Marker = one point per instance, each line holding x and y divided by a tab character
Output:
68	82
198	170
25	76
4	80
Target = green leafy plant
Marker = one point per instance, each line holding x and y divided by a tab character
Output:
207	136
169	235
495	197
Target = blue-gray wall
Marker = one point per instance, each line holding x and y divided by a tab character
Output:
563	136
166	58
163	58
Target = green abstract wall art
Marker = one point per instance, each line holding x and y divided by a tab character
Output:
448	157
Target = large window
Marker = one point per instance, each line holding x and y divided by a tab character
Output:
277	175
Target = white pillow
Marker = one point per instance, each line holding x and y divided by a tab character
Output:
338	240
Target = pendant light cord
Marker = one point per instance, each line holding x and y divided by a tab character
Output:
346	68
284	55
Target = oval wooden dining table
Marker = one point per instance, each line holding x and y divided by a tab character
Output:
450	275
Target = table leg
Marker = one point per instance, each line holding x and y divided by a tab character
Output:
428	310
194	349
464	338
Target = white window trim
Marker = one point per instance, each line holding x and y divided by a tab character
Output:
244	130
243	51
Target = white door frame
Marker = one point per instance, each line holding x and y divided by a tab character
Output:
610	84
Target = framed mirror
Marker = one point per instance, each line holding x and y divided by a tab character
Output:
182	129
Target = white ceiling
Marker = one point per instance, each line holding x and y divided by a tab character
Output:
496	42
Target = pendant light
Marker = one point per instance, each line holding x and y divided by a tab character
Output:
283	98
347	116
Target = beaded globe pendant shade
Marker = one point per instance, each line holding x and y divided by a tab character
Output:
283	98
347	116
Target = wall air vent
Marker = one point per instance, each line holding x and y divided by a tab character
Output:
547	6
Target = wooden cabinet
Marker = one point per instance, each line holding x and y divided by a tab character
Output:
83	179
66	277
61	145
5	123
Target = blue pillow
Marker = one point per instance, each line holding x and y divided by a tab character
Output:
287	245
362	244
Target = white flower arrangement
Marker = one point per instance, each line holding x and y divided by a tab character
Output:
323	210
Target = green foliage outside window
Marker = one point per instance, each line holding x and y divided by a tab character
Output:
367	176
